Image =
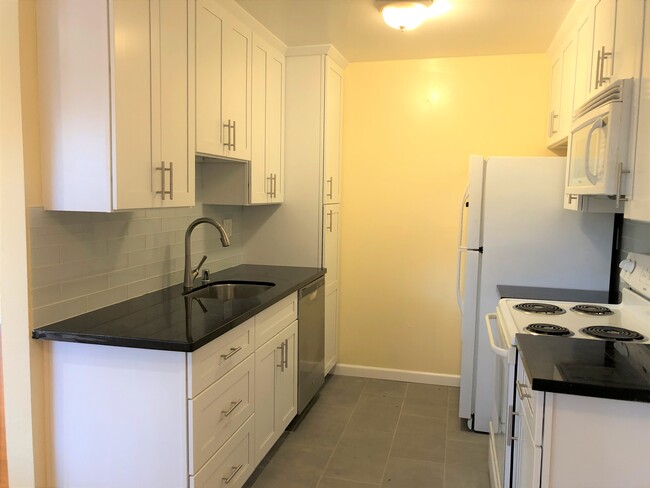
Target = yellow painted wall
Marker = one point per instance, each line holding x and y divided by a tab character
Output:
408	129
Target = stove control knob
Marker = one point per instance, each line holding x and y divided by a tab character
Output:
627	265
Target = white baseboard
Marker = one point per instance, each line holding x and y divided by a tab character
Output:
397	375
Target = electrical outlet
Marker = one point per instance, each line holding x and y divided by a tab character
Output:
227	225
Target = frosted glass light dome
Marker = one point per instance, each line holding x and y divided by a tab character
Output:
405	15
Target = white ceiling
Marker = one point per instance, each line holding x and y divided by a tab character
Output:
470	28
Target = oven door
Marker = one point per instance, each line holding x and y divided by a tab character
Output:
500	429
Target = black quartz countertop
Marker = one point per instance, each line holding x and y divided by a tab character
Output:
169	321
585	367
552	294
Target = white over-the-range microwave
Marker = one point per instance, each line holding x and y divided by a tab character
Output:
597	159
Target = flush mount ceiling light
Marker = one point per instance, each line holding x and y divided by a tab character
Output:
404	15
407	15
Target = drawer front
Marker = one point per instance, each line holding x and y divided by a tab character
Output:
275	318
531	402
210	362
231	466
219	411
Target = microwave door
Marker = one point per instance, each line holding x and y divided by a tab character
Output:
587	152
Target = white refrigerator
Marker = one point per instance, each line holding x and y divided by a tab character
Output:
515	231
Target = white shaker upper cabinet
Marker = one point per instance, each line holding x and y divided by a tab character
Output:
223	82
602	56
115	134
267	156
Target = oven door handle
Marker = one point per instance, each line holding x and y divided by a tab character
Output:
488	324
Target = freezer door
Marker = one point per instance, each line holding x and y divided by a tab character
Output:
473	229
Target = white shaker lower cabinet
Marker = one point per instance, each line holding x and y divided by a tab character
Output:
132	417
576	441
331	221
115	134
275	389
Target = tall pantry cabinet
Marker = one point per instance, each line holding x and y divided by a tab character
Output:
304	230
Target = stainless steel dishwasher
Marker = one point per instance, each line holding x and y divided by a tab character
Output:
311	341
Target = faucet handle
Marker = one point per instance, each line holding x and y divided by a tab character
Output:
195	271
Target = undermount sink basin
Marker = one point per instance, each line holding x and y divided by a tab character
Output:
231	290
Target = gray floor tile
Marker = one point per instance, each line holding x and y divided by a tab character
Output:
360	456
466	465
420	438
342	390
386	388
323	425
426	400
454	394
294	465
413	473
376	412
337	483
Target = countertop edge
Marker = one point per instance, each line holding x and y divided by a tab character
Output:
163	345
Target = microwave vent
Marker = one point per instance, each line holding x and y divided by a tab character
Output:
613	93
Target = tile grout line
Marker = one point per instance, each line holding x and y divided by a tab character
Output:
392	441
342	433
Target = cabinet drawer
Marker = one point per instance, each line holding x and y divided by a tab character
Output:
210	362
275	318
219	411
232	464
531	403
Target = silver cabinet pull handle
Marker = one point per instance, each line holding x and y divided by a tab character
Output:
234	135
619	184
281	365
229	143
597	83
520	391
286	353
570	198
275	185
554	116
330	182
233	351
163	181
270	192
511	415
171	180
236	469
329	227
233	406
604	55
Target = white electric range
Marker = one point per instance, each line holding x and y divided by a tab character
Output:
628	321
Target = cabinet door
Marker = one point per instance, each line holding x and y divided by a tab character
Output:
275	389
267	131
286	391
584	45
602	57
530	458
133	80
331	327
210	20
331	220
333	112
555	99
568	88
171	133
236	89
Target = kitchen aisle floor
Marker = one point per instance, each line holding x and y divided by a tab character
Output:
364	433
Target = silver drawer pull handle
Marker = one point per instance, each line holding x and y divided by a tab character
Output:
233	406
236	469
234	135
281	365
270	192
233	351
520	390
330	182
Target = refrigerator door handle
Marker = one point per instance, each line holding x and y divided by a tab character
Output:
459	295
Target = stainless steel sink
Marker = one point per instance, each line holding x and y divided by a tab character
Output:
231	290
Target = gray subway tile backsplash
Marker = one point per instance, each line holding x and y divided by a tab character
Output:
636	237
84	261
